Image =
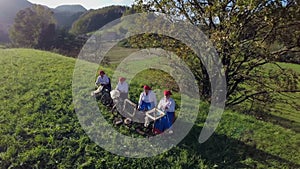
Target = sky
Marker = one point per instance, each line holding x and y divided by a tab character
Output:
88	4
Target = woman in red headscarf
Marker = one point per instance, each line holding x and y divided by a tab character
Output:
166	104
147	99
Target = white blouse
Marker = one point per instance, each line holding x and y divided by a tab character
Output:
167	105
122	87
151	97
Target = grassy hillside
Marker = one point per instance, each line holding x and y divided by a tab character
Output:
289	113
284	113
39	128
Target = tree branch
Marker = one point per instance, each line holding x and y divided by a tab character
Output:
286	49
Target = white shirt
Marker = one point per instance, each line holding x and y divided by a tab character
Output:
102	80
146	98
169	104
122	87
151	98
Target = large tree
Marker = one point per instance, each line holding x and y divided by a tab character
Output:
34	28
242	32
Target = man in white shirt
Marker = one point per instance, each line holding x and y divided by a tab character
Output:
103	80
147	100
122	87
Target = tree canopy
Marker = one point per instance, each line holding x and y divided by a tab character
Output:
243	33
34	27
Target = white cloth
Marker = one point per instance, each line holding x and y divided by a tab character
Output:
122	87
114	94
97	91
167	105
151	98
102	80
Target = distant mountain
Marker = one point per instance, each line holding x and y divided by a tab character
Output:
65	15
74	17
8	11
95	19
70	8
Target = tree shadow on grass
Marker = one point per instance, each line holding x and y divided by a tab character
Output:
286	123
224	152
283	122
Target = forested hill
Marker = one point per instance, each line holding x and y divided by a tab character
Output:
66	15
95	19
70	8
70	17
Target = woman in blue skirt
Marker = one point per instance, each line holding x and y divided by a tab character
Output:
147	99
166	104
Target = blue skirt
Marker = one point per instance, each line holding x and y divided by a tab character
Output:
145	106
164	123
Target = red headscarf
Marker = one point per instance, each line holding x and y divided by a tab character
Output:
147	87
101	72
122	79
167	92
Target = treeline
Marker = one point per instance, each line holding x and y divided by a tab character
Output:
35	27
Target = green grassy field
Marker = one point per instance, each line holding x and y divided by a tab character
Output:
118	53
286	111
39	127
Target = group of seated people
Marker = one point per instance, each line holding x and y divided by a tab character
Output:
147	101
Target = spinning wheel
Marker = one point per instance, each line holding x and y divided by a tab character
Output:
105	98
129	108
155	114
